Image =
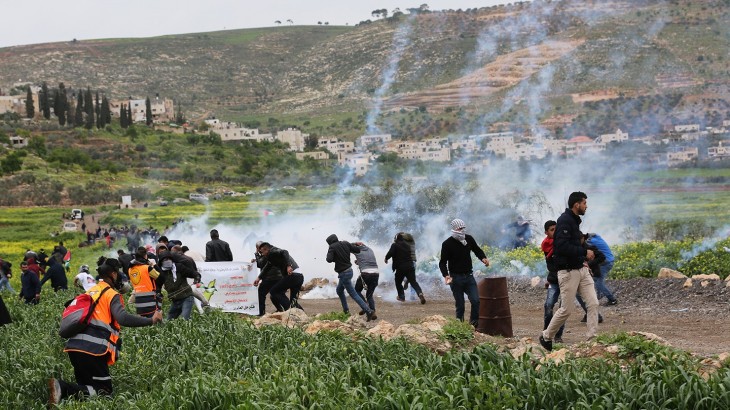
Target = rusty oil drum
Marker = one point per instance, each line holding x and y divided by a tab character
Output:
494	315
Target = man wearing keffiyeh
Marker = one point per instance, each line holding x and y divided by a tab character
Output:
456	268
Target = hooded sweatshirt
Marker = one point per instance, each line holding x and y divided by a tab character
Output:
339	253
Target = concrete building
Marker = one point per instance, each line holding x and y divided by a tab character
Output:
368	140
687	128
499	143
720	151
680	155
359	162
293	137
16	104
163	109
334	145
618	136
317	155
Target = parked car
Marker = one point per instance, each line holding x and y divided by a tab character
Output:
70	227
77	214
163	203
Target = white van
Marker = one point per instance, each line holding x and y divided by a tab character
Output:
198	197
70	227
76	214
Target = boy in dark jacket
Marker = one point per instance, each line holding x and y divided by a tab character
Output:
30	289
553	290
174	278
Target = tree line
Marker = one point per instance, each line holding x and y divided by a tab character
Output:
88	110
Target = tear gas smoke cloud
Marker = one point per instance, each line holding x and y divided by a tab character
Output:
400	41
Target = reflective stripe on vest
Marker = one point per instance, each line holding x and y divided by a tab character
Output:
145	302
102	334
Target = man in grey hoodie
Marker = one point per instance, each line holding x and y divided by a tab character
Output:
339	254
369	274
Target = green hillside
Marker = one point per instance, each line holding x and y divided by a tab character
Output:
486	61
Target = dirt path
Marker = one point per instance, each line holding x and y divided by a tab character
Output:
699	326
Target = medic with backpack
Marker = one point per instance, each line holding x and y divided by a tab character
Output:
92	322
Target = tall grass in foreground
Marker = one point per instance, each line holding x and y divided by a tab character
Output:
221	361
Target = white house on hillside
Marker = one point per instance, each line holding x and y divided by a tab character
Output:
293	137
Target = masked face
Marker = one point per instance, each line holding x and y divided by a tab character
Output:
166	264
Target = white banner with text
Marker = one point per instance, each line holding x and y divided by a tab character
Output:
229	286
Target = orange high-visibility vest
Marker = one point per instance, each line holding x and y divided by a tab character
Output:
102	334
145	289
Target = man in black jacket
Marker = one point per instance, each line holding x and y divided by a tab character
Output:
339	254
456	268
571	259
217	250
56	274
403	266
174	278
291	279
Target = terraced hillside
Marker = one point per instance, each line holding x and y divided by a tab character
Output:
477	58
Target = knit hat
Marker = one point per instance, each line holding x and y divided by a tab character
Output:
457	224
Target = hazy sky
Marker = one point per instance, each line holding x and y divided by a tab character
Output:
41	21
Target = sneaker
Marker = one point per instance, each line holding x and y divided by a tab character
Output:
546	344
362	312
613	302
54	389
401	298
558	340
423	300
371	316
585	318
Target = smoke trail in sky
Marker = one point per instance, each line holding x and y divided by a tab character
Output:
401	39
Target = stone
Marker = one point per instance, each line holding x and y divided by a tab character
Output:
316	282
704	283
294	317
666	273
534	282
266	320
687	283
713	276
434	323
650	336
383	330
328	325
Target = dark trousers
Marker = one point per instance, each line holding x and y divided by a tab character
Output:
553	295
461	284
293	283
367	281
264	288
409	274
92	376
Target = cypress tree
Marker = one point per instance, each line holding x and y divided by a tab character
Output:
79	115
89	108
45	105
130	118
70	110
148	111
29	106
123	116
106	113
97	111
60	104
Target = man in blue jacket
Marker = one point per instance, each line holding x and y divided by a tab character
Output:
602	290
571	259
